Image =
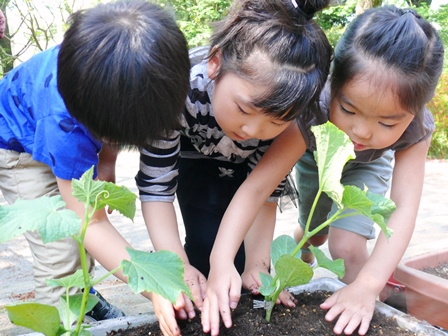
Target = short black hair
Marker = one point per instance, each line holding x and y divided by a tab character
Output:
123	71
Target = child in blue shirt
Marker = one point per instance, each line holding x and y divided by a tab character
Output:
120	76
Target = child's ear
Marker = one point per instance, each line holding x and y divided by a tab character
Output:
213	65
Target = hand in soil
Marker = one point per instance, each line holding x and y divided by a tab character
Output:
354	305
167	314
307	319
222	295
197	283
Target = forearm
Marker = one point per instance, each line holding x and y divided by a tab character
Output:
406	192
107	246
258	240
275	164
161	222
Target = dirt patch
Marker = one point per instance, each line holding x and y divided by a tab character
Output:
440	270
307	319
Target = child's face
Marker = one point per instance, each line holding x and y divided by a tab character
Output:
371	116
235	114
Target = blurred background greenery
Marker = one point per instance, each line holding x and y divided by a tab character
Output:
35	25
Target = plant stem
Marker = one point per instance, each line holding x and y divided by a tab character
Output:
85	270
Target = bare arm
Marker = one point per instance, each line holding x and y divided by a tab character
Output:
276	163
355	303
106	164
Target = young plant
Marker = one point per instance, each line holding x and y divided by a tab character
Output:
334	149
159	272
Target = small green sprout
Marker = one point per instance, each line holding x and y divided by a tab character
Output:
334	149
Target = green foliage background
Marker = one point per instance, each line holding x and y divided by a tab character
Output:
195	18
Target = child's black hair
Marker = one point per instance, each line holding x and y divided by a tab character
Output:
123	71
277	44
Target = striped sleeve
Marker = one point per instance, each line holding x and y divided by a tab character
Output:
157	177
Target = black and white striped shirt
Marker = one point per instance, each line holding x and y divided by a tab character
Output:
157	177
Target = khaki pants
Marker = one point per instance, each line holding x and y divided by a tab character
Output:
24	178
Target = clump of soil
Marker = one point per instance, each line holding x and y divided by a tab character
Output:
440	270
307	319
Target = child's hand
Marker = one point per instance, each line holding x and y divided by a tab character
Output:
251	281
355	305
223	294
197	283
166	314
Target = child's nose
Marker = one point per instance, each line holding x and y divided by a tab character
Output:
252	129
362	130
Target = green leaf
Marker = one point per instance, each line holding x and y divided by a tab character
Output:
283	244
335	266
334	149
292	271
70	311
73	280
38	317
267	288
86	189
118	198
356	199
381	205
45	214
161	272
378	219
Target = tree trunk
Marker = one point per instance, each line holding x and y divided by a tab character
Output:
363	5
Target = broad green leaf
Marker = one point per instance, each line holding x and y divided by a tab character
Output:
334	149
335	266
74	280
356	199
381	205
36	316
292	271
266	288
161	272
70	311
283	244
86	189
118	198
378	219
45	214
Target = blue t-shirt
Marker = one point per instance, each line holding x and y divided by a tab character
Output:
34	119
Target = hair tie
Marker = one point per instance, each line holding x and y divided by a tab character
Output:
405	11
300	10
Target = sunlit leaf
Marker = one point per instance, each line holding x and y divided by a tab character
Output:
161	272
283	244
73	280
36	316
292	271
335	266
118	198
45	214
334	149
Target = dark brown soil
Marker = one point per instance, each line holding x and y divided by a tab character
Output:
307	319
440	270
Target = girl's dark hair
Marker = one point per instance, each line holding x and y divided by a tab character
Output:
296	49
123	71
393	41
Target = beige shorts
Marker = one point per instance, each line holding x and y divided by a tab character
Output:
24	178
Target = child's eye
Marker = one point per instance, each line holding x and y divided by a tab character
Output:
241	110
346	111
388	126
278	123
